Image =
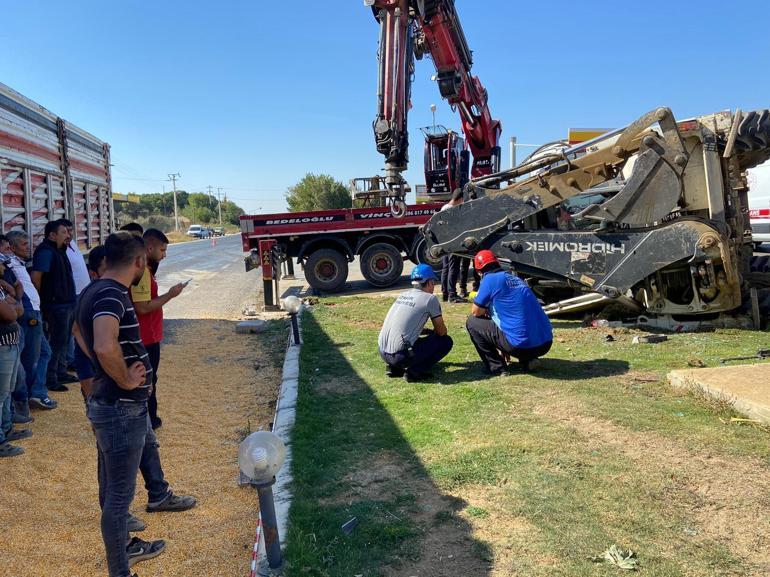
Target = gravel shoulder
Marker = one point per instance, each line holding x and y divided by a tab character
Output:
215	387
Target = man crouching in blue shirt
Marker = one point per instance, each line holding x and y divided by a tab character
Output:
506	317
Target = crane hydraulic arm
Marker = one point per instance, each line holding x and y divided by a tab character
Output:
413	28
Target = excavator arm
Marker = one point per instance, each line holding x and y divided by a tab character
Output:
672	237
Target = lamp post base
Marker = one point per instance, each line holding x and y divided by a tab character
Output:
264	570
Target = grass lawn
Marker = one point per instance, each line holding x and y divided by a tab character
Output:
521	475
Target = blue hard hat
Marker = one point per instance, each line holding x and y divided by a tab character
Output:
423	272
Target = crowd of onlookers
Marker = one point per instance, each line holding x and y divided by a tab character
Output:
38	292
101	317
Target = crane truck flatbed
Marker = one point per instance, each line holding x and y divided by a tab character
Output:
325	241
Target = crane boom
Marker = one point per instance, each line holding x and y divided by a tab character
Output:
414	28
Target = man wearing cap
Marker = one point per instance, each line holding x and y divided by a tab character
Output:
405	352
506	318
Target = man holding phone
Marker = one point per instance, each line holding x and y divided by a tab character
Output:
149	310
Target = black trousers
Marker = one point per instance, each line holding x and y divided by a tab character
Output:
489	340
465	264
427	351
450	270
453	268
153	355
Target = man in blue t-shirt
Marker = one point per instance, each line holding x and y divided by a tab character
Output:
506	318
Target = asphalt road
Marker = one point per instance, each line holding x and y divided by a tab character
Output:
220	288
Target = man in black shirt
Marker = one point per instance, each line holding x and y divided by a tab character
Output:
108	332
52	276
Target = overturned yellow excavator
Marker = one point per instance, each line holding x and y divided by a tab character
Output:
655	214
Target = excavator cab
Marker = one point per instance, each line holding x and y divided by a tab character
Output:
447	162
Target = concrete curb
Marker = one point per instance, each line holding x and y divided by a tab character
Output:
283	424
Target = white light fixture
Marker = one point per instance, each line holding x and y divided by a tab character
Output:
260	456
292	304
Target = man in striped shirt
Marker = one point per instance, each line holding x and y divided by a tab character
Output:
108	331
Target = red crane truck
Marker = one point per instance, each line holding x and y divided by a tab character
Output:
325	241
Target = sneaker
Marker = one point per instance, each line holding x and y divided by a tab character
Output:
135	524
457	299
57	388
45	403
8	450
173	503
138	550
445	297
20	419
67	378
18	434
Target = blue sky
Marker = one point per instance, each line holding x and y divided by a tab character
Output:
249	96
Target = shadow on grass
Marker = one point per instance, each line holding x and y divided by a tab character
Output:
551	368
350	460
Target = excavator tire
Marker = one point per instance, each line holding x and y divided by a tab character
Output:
752	142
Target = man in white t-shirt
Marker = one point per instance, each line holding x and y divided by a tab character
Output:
35	353
77	262
81	278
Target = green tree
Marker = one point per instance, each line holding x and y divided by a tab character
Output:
317	192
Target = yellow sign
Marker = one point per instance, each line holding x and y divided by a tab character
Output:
578	135
120	197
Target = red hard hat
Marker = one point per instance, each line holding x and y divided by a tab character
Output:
483	258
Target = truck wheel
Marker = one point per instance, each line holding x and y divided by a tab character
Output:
422	256
382	264
326	270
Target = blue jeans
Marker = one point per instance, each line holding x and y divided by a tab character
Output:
40	374
58	319
150	467
121	430
19	385
9	362
31	337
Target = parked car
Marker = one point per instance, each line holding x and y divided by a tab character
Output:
219	230
198	231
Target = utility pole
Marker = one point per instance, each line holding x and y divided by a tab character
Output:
172	178
219	195
209	188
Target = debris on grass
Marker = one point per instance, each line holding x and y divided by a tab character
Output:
696	363
649	339
622	558
349	526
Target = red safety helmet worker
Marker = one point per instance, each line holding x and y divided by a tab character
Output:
484	258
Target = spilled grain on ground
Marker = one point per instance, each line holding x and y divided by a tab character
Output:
214	387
